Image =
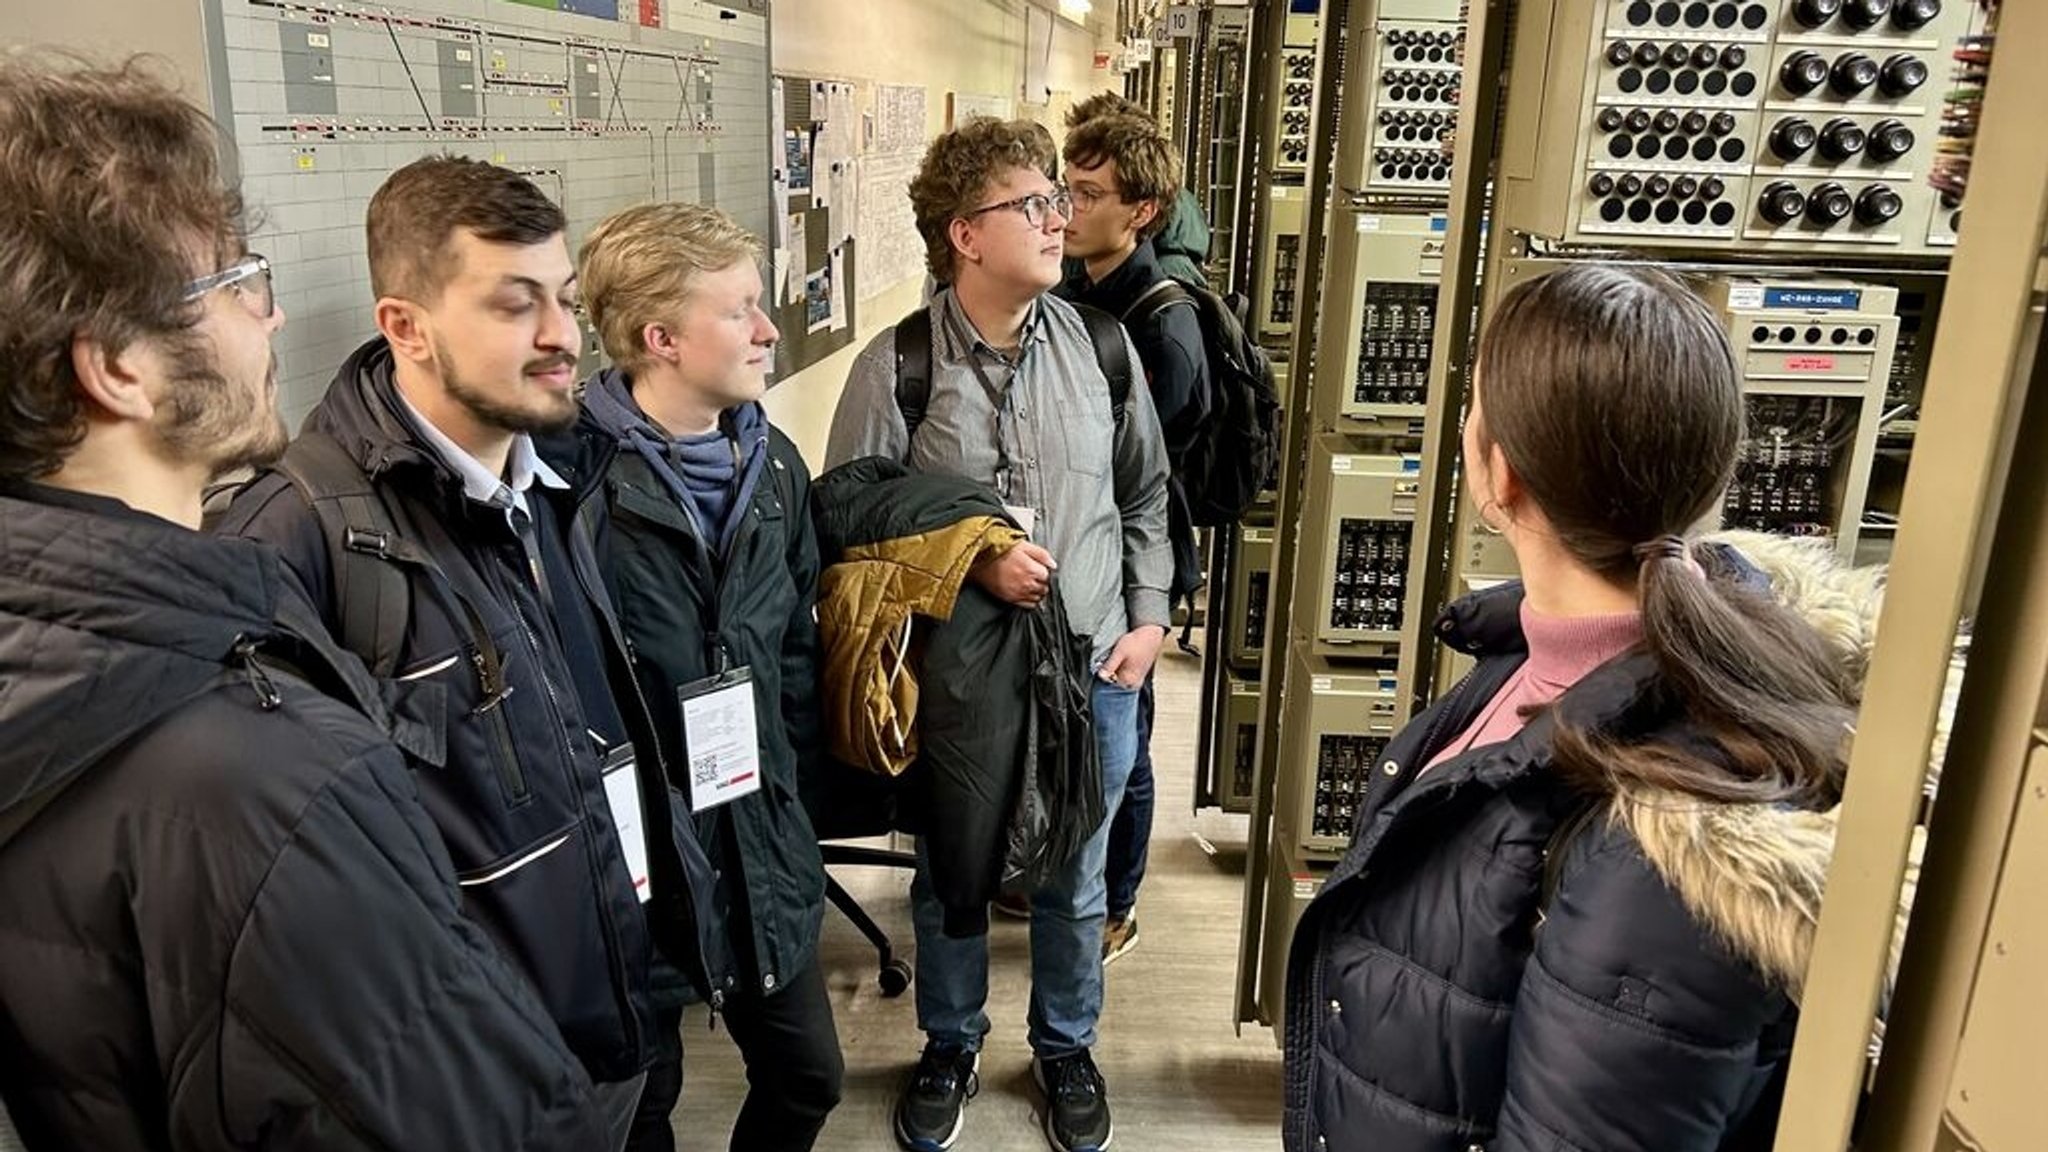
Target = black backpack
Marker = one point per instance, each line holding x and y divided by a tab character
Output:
914	363
368	551
1238	446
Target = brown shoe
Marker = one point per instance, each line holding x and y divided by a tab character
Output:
1013	906
1119	936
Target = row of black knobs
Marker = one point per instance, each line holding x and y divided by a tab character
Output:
1852	73
1840	139
1658	186
1907	15
1675	55
1828	204
1668	121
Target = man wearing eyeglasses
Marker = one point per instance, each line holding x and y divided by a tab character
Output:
441	549
1020	401
226	920
1124	179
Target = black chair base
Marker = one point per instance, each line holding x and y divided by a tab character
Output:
891	974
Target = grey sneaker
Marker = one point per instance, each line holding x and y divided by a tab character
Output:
1119	936
933	1105
1076	1103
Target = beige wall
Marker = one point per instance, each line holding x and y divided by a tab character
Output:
945	45
113	29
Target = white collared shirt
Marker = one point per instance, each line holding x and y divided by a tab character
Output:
523	467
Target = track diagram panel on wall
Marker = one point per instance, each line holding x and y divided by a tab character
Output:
602	103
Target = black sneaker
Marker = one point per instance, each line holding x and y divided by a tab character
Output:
1076	1102
929	1112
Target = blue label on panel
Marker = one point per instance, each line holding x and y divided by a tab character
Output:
1411	463
1833	299
1439	224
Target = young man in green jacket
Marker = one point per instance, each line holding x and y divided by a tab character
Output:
706	543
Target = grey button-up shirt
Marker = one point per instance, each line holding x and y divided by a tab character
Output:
1099	491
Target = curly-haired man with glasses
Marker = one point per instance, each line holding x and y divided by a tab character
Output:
1020	401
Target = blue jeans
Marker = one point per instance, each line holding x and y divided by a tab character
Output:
1066	926
1130	823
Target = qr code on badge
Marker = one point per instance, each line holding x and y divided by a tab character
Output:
704	768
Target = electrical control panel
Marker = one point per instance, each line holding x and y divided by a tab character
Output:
1416	74
1790	126
1294	108
1389	319
1335	725
1358	522
1251	575
1816	359
1238	747
1285	205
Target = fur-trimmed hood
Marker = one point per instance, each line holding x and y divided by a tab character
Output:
1755	873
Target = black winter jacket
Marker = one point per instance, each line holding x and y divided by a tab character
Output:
686	612
520	799
1007	785
1438	1001
225	919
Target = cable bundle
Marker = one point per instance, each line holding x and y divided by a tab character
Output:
1961	111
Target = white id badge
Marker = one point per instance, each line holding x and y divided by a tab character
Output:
622	792
1026	518
720	738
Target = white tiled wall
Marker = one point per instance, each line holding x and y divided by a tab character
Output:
310	174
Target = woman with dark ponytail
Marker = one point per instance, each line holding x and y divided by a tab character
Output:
1577	906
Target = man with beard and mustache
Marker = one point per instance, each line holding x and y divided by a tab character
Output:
441	549
225	918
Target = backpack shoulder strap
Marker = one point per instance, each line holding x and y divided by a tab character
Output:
913	369
1157	297
1113	353
364	546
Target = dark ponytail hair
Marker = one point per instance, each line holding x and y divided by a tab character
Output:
1613	393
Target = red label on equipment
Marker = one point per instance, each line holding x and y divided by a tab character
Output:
1809	363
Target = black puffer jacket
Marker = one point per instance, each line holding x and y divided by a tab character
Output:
685	609
1437	1001
225	919
520	798
1007	785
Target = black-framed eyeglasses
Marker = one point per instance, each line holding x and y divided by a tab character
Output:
1034	207
250	279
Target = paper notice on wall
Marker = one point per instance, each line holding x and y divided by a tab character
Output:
839	308
844	204
899	119
891	250
798	246
798	159
818	299
1037	55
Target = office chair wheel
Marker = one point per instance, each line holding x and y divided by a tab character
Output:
894	979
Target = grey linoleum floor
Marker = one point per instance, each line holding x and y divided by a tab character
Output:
1180	1077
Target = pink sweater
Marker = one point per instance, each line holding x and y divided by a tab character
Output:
1562	649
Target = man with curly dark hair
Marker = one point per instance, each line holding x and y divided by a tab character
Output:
1020	400
226	921
1182	239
